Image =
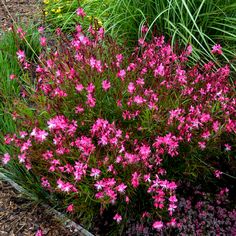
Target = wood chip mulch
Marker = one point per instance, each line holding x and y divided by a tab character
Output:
19	11
20	217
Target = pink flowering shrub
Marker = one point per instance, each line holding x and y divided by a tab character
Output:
107	127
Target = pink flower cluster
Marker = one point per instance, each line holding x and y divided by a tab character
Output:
115	119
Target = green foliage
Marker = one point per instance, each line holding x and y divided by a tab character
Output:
60	13
9	97
199	23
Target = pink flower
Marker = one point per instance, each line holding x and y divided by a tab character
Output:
159	70
144	29
135	179
202	145
79	87
22	158
79	109
118	103
39	232
227	147
146	214
99	185
121	74
189	50
216	126
171	208
157	225
141	41
65	186
206	135
70	208
217	49
173	199
80	12
23	134
21	33
47	155
41	29
121	188
20	55
25	146
45	183
12	77
144	151
92	62
90	88
91	101
217	174
106	84
95	173
131	88
85	145
127	200
140	81
118	218
43	41
119	57
57	123
6	158
147	177
139	100
172	222
40	135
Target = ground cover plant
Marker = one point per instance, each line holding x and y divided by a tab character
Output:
199	213
200	23
109	132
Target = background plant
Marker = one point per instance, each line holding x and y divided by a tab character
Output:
62	13
199	23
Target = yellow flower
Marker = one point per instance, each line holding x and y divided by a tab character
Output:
58	10
99	22
46	1
46	13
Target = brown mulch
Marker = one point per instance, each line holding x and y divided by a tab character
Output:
18	11
20	217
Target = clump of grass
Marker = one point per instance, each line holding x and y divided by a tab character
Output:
200	23
10	93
